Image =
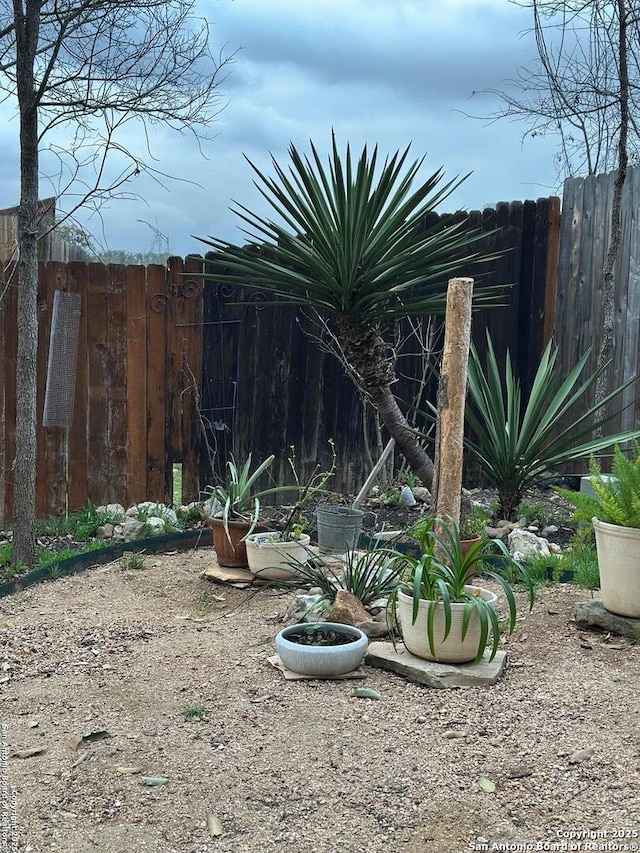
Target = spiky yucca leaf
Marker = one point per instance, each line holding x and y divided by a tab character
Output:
350	238
517	444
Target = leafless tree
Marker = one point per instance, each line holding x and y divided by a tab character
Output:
585	88
87	77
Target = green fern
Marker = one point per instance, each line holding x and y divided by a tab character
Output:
617	498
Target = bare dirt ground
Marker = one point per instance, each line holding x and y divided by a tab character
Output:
300	765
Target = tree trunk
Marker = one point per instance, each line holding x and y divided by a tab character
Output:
422	466
452	391
608	308
24	537
374	364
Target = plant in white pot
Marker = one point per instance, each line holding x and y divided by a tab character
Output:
614	510
273	555
443	615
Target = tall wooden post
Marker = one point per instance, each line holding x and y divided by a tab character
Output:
452	391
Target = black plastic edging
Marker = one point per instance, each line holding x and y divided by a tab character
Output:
79	562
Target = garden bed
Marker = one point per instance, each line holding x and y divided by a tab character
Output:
175	669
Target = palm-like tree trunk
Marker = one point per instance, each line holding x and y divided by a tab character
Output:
374	364
398	428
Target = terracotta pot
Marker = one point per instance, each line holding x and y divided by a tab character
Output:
230	550
466	544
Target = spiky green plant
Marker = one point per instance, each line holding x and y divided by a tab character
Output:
349	240
517	443
369	575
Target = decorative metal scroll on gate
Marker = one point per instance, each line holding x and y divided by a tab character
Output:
188	289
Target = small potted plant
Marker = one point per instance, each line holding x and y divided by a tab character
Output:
240	511
443	615
322	649
274	555
472	526
614	510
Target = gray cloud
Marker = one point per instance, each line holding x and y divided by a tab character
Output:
385	71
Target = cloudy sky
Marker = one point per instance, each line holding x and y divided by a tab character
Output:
390	72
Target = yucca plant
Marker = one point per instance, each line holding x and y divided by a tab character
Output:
442	575
518	443
617	496
350	241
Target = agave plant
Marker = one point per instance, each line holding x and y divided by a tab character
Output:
237	496
369	575
518	443
353	244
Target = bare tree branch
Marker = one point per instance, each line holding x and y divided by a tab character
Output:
81	71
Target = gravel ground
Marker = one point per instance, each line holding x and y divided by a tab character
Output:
290	766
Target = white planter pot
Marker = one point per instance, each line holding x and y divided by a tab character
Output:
451	650
619	563
322	661
269	559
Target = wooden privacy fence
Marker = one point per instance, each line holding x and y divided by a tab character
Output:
137	379
584	239
171	371
266	386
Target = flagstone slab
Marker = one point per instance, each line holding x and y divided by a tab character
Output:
432	674
592	614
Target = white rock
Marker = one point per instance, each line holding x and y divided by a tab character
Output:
151	509
406	497
115	509
211	507
300	607
186	509
155	525
527	544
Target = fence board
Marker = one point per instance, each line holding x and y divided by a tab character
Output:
77	445
53	440
10	362
116	378
136	379
98	369
632	344
157	306
173	388
551	265
3	467
192	377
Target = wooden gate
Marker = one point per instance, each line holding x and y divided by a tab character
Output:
137	381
